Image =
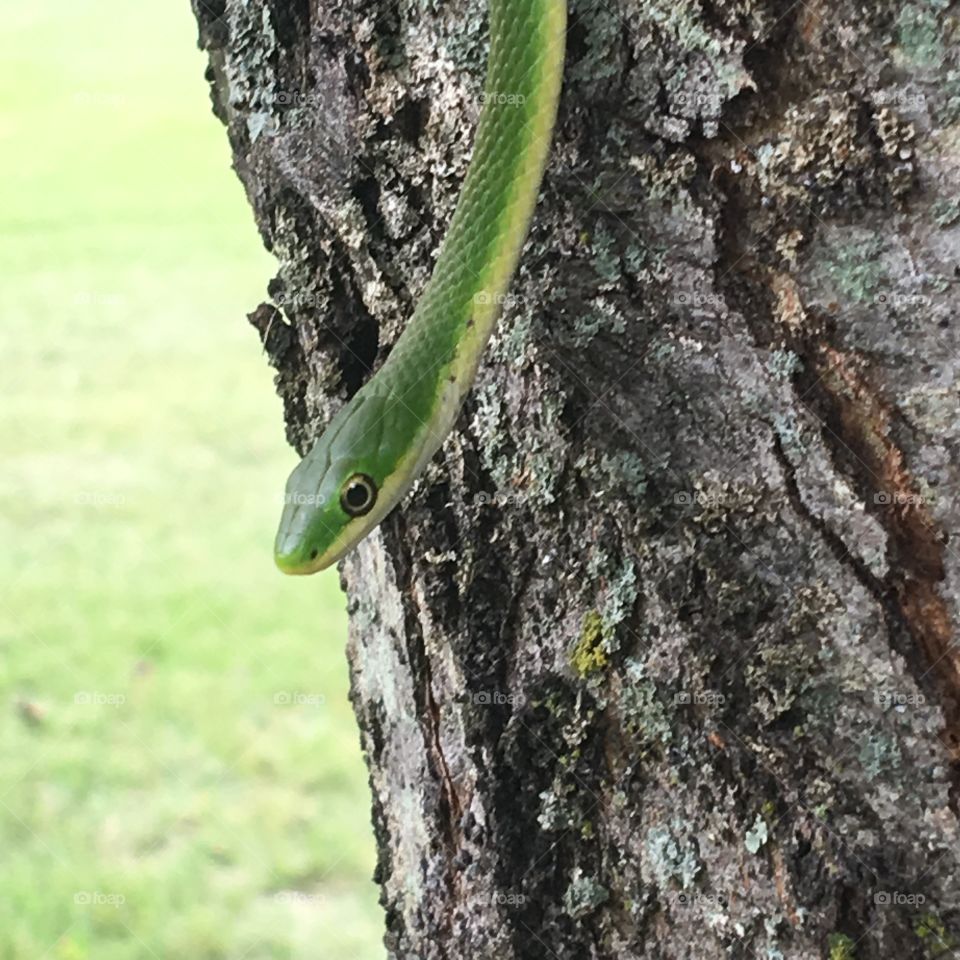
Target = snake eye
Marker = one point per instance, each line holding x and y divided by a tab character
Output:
358	496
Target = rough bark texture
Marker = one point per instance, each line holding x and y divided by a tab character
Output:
660	658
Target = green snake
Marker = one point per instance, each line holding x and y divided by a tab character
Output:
378	444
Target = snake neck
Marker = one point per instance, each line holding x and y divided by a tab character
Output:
435	361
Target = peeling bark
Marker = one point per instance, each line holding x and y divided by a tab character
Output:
660	657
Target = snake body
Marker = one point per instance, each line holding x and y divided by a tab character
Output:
377	445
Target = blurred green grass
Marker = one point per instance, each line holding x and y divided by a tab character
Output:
180	773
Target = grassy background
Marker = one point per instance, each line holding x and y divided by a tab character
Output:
179	768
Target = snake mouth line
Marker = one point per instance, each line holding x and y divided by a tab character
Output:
302	570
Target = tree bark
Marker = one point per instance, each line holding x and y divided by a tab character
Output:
659	659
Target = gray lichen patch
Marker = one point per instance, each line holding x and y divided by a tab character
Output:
646	718
584	895
920	33
623	470
849	266
671	856
757	835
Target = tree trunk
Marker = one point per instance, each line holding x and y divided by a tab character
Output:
659	659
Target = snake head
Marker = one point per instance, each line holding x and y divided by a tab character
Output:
332	497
